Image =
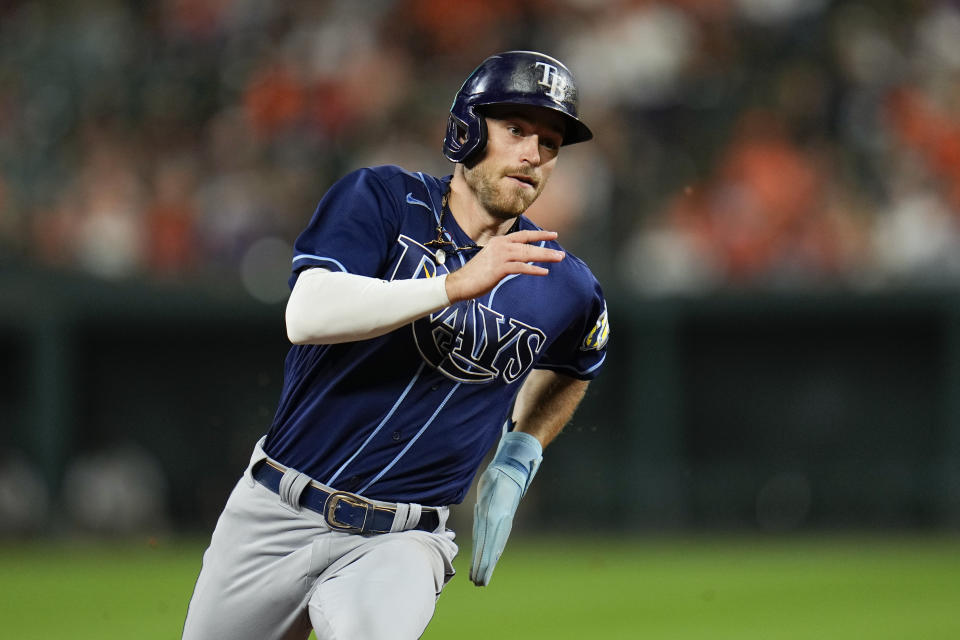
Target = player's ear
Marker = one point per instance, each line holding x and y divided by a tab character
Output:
461	134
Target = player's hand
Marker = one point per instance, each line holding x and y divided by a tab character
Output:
500	257
498	494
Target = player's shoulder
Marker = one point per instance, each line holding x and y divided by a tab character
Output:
574	271
397	184
399	178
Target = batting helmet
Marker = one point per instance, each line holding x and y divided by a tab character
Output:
513	77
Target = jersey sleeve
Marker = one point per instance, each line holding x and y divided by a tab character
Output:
579	351
351	229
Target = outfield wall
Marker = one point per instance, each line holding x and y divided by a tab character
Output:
777	412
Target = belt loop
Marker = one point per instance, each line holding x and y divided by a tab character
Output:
292	485
400	518
406	517
442	514
413	518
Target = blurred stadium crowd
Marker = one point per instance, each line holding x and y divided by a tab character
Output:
740	143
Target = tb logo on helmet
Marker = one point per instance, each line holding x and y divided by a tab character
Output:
552	78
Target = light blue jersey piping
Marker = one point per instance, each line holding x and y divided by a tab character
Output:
412	441
386	418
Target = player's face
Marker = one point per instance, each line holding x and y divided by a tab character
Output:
521	152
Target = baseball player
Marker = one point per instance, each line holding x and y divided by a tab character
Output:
430	321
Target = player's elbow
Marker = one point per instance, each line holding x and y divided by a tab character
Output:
295	332
306	326
303	322
296	337
299	328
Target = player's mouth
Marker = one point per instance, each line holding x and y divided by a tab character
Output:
524	179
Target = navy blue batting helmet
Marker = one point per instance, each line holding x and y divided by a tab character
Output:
513	77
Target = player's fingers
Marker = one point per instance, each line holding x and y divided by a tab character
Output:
477	560
531	235
494	549
532	253
483	564
528	253
525	269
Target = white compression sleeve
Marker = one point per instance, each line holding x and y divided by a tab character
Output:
328	307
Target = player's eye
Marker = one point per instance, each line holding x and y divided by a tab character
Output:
550	144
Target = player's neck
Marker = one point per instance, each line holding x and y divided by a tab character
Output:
478	223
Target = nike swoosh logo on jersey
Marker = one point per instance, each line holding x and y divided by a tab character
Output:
412	200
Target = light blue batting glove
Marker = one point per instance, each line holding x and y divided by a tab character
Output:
498	493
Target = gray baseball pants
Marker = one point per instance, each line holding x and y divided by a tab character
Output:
273	571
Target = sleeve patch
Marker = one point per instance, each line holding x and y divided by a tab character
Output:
597	337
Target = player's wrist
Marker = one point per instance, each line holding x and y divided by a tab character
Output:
451	285
520	444
521	452
442	290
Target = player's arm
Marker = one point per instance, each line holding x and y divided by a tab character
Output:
546	403
331	307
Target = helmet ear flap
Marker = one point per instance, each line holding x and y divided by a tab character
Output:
481	138
456	134
465	136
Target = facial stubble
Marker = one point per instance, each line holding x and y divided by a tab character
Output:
501	202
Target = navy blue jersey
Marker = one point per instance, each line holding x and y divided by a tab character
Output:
408	416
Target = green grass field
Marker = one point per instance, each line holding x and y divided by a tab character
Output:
694	588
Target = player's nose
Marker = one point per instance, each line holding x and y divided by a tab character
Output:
530	150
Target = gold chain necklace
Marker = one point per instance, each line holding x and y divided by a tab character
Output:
443	245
